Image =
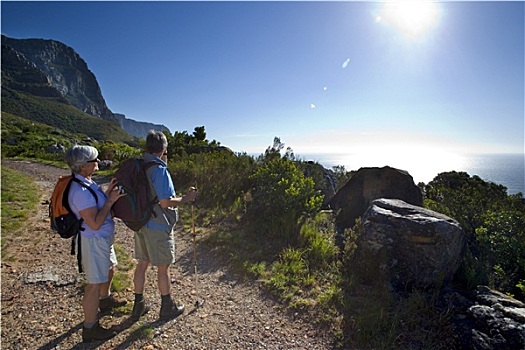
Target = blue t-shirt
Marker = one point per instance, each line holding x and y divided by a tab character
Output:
162	185
81	198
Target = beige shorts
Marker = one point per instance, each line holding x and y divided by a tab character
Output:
98	257
155	246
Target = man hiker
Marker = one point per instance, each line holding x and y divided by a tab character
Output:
154	243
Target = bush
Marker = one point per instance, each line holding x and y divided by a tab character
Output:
495	226
221	177
281	195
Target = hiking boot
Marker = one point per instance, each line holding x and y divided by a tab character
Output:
170	310
97	332
140	308
110	303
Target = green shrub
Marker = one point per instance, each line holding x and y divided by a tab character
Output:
317	236
281	195
221	177
495	226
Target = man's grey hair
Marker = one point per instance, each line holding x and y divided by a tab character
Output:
80	155
156	141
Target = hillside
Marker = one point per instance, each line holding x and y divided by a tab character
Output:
48	82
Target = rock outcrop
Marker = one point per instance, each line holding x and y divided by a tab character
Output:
367	184
406	246
489	320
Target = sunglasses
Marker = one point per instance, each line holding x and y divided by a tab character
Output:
96	160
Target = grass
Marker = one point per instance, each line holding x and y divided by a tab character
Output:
122	279
19	198
142	331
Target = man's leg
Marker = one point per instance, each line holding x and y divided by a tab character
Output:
168	308
105	288
163	279
139	277
108	301
140	307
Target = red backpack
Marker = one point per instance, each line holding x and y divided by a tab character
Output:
136	207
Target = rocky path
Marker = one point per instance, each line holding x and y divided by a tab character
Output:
41	296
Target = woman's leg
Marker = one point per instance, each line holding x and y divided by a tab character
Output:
90	302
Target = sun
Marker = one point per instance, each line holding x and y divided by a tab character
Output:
412	18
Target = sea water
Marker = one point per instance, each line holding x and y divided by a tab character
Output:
503	169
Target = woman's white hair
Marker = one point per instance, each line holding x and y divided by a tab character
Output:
80	155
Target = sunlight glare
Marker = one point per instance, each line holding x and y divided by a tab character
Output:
412	18
422	163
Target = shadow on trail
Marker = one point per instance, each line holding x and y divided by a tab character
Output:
53	344
137	335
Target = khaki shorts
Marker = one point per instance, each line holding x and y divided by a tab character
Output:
155	246
98	257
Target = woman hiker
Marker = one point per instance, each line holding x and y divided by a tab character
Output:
97	236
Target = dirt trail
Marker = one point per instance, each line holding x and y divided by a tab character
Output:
41	296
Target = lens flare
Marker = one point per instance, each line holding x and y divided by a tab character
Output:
412	18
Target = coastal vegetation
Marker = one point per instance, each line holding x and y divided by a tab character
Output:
56	112
266	214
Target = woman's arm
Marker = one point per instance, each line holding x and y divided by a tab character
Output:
93	217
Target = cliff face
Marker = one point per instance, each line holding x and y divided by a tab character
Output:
66	71
135	128
49	68
22	75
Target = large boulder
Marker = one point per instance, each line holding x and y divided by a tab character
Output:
406	246
367	184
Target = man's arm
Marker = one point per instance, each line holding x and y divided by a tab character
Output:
189	197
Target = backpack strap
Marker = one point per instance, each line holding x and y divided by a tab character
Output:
65	202
86	186
147	166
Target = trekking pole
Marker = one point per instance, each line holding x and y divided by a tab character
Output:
198	303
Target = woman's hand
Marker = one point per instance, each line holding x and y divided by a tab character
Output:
111	186
114	194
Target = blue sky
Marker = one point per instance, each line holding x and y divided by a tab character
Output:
343	77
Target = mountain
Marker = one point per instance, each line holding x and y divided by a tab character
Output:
43	79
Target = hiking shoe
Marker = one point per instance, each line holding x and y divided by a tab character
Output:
170	310
110	303
139	309
97	332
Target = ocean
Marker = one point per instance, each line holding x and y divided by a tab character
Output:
503	169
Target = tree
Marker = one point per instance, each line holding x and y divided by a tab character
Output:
274	151
199	134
